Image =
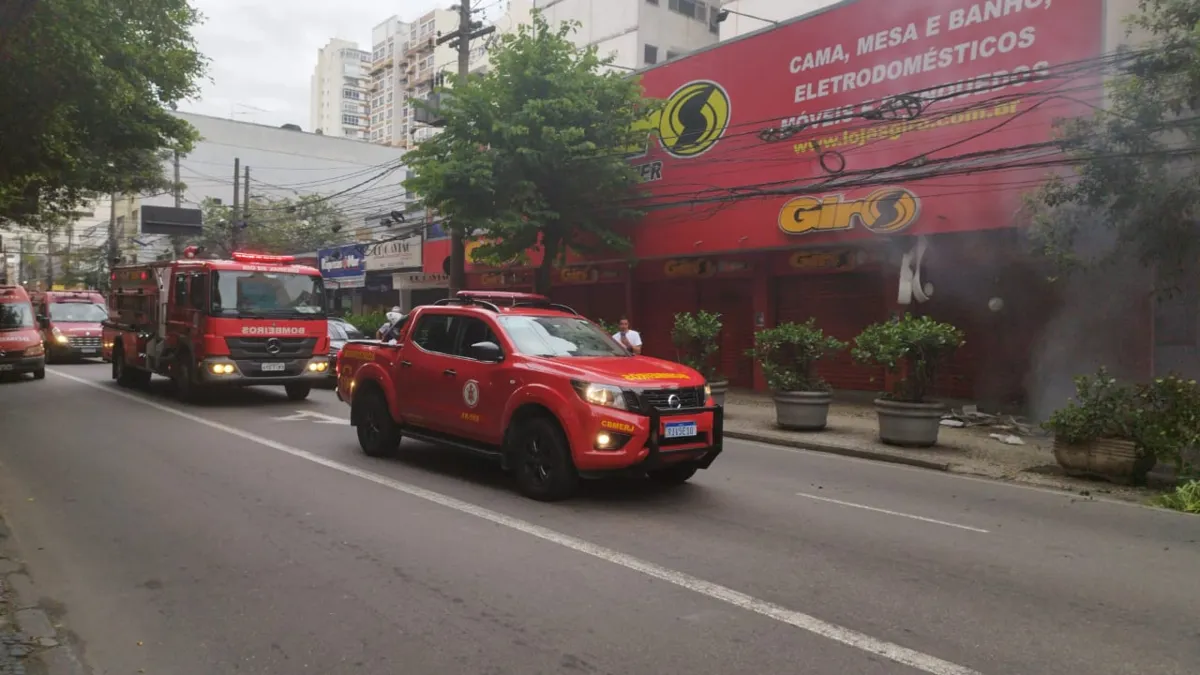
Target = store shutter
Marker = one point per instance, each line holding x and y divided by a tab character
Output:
657	304
733	300
607	302
843	305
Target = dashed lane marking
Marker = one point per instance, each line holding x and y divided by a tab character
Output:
845	636
891	513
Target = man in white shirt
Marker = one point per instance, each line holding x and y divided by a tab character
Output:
628	338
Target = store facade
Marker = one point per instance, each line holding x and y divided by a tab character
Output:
874	165
344	269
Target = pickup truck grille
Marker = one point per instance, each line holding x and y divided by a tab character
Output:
258	348
646	399
82	342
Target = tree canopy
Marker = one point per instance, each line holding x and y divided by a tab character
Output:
532	152
1135	191
85	92
283	226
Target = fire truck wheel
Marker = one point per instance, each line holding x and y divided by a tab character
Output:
378	433
297	392
184	378
39	374
122	373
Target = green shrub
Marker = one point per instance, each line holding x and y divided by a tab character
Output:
1101	408
697	339
911	347
788	354
368	322
1184	498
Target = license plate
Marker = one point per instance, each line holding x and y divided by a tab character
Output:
273	367
89	350
680	429
6	366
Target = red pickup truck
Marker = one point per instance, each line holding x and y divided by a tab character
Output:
533	385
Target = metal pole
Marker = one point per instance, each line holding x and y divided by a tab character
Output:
112	232
237	193
458	262
176	187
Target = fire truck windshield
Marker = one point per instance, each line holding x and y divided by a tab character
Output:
267	294
77	312
15	315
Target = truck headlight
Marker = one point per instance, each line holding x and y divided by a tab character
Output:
59	337
37	350
604	395
707	392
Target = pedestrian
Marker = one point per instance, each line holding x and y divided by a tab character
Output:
628	338
391	329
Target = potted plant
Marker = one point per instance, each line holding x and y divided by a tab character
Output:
697	344
911	349
1169	422
788	354
1096	433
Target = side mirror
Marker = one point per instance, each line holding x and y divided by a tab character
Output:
488	352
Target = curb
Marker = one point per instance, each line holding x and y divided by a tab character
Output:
840	450
33	641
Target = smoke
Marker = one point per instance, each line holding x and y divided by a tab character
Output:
1101	317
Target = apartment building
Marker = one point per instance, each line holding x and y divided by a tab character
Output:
637	33
338	91
407	63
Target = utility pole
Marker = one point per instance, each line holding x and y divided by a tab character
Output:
237	193
20	261
112	232
467	30
175	188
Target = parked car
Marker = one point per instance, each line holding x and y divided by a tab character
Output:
341	332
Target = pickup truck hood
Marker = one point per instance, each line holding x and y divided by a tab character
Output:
641	372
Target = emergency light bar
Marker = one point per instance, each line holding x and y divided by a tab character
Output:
501	295
262	258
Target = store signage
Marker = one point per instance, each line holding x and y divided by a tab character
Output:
578	275
884	211
343	266
393	255
689	267
503	279
833	259
419	280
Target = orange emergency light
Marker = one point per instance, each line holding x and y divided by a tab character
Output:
262	258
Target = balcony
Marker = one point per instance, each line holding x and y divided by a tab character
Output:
380	65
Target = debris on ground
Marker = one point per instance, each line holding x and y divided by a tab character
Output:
969	416
1008	439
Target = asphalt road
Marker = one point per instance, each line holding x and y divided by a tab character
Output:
249	535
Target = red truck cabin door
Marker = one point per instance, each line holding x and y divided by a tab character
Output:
484	388
427	380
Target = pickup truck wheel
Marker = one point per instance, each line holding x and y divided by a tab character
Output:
297	392
541	461
378	433
673	475
39	374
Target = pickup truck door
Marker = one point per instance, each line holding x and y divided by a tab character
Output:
427	377
484	388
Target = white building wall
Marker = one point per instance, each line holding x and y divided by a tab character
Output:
338	98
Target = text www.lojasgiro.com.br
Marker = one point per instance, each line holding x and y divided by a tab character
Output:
892	132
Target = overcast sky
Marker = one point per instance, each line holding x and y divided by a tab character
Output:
263	52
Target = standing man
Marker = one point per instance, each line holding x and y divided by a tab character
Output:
628	338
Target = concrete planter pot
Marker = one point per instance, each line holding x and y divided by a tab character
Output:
909	425
1112	459
718	391
802	410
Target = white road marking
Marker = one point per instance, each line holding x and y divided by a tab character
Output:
846	636
311	416
891	513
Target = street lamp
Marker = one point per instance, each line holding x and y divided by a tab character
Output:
724	14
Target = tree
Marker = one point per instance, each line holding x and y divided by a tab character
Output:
533	152
1136	187
85	87
283	226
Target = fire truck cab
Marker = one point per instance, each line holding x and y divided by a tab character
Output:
205	324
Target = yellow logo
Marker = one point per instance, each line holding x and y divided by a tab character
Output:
884	211
643	377
691	122
618	426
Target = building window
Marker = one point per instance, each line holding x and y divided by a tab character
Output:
351	119
685	7
652	2
351	94
673	55
650	54
714	23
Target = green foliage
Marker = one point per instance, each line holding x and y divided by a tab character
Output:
283	226
532	152
1184	498
789	352
1102	407
85	87
609	328
1135	190
697	341
368	322
1162	417
911	347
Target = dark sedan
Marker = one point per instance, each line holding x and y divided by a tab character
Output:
341	332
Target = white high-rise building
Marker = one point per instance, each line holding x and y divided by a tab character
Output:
338	91
388	84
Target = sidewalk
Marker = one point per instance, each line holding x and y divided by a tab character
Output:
853	432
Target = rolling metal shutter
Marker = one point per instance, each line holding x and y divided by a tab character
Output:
843	305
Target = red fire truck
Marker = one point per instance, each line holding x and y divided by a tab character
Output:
203	323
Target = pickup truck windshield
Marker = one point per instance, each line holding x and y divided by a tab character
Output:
559	336
267	294
15	315
77	312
